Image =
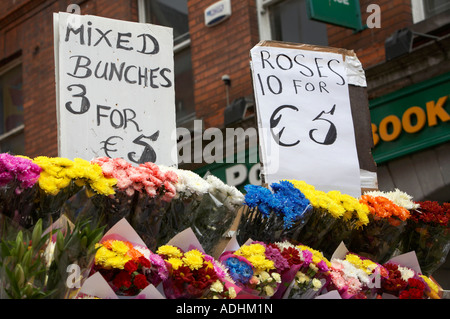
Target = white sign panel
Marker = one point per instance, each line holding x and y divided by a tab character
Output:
115	89
304	118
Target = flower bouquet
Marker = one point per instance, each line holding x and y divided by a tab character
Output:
18	189
308	271
379	239
355	216
194	275
69	254
216	212
153	200
271	216
254	271
326	211
61	179
190	190
427	233
126	263
404	283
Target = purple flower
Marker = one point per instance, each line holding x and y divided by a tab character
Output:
18	169
322	266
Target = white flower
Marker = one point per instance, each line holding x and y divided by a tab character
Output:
317	284
277	277
217	286
49	253
406	272
397	197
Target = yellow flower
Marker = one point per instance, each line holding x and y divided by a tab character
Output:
169	251
261	263
269	291
175	262
250	250
193	259
119	247
110	259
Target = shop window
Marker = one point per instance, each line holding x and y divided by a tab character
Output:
287	20
425	9
11	110
174	14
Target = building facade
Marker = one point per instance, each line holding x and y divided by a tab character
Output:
403	46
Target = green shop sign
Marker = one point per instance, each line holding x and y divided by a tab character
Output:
344	13
411	119
237	171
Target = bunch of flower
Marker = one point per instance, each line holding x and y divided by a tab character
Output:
427	233
194	275
18	172
398	197
381	207
252	269
189	184
228	195
325	214
356	216
273	214
349	280
18	177
308	270
146	178
379	239
405	283
127	267
59	173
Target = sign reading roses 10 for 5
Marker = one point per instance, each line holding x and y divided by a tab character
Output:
115	89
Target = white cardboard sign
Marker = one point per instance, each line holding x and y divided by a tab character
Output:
304	118
115	89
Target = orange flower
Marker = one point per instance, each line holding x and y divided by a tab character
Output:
383	207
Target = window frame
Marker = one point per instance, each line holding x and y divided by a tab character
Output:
176	49
20	129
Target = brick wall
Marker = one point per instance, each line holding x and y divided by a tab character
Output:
369	43
218	50
26	31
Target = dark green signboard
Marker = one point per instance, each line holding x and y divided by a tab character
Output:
411	119
344	13
238	172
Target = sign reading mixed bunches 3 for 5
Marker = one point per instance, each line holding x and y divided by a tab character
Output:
115	89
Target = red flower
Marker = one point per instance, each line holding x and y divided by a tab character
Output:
122	280
130	267
292	256
144	262
140	281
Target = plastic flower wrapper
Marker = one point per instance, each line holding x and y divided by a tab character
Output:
216	212
379	239
325	214
253	267
191	189
153	200
18	189
307	273
71	246
405	280
356	216
193	273
427	233
271	216
374	272
22	265
125	262
62	178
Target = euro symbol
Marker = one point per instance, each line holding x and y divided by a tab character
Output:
275	121
107	143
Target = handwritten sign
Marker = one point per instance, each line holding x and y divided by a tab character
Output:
115	89
304	117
